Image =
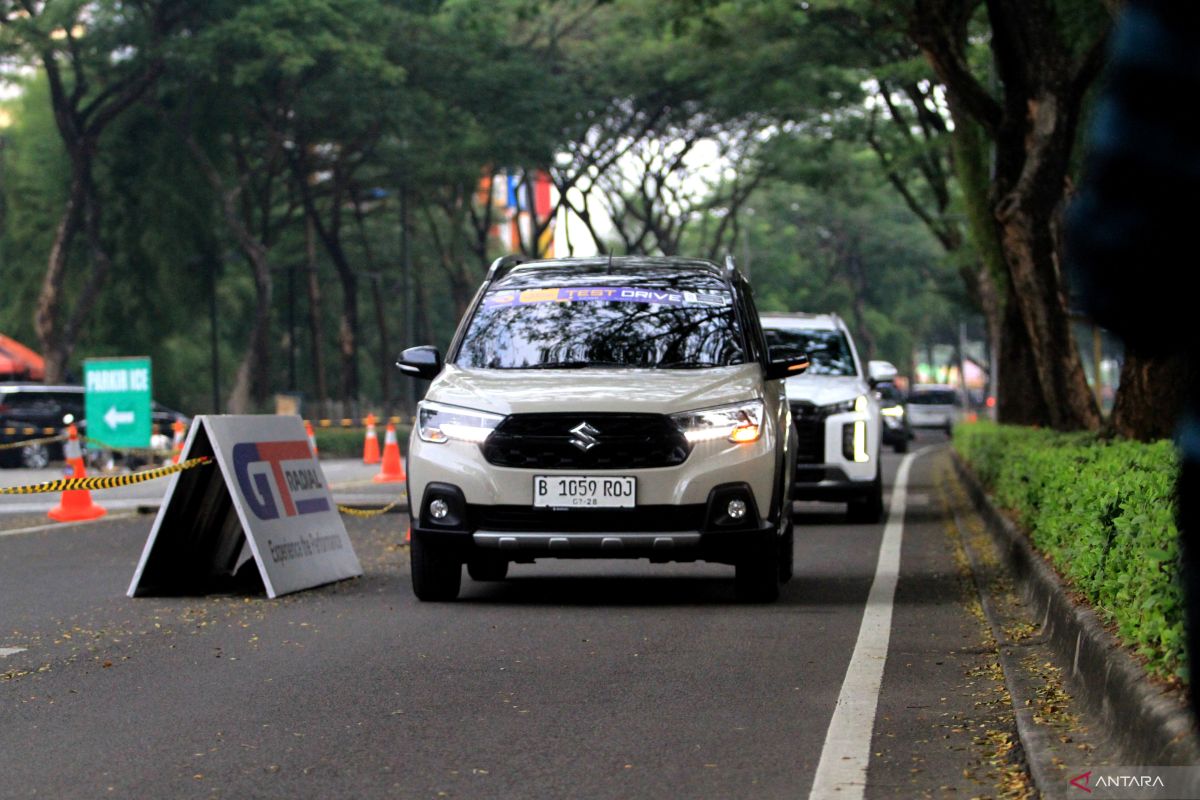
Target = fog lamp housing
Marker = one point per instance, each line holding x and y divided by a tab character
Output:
731	505
443	506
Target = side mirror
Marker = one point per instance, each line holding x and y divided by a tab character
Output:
880	371
786	363
420	362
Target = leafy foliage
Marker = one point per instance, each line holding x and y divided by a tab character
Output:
1103	512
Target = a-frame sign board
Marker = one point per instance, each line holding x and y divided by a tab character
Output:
264	503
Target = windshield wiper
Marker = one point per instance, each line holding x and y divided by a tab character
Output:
684	365
571	365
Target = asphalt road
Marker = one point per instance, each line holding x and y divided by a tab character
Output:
568	680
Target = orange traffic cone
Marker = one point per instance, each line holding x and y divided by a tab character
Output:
312	438
393	468
371	443
76	504
180	433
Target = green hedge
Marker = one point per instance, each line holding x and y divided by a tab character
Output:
1104	513
348	442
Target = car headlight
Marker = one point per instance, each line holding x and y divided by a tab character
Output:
857	405
438	423
737	422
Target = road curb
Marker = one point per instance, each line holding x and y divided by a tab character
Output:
1149	725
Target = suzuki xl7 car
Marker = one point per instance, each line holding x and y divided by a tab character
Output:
603	408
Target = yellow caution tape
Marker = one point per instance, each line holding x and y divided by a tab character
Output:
367	513
107	482
361	423
26	442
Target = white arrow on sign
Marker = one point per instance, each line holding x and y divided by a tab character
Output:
115	418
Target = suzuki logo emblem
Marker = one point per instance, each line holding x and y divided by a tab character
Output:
585	436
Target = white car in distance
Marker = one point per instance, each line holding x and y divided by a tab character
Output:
934	405
835	412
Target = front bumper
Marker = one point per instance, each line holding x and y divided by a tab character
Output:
723	547
659	533
829	483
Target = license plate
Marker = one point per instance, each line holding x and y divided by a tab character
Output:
584	491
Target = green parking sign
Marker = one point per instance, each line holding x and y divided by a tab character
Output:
117	400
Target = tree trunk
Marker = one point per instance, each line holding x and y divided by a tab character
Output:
1152	395
348	337
858	305
55	350
1031	126
315	333
1033	270
251	383
385	343
1019	396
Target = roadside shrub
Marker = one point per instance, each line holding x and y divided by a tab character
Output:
1103	512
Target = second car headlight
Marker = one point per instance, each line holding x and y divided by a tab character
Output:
737	422
438	423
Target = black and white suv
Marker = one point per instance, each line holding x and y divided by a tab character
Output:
603	408
836	414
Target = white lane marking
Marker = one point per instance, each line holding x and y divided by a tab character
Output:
5	652
842	770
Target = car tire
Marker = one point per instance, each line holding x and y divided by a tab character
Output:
756	575
867	509
35	456
436	575
487	569
787	550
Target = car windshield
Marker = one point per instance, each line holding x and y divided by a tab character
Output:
612	321
932	397
828	351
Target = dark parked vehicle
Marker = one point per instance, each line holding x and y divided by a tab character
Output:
33	411
30	412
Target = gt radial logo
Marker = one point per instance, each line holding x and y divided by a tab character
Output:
585	436
275	474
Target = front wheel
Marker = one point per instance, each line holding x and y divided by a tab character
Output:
756	576
868	509
436	575
787	550
35	456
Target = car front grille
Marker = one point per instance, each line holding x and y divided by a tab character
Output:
643	519
810	427
586	442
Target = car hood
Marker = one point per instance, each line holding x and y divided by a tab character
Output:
656	391
821	390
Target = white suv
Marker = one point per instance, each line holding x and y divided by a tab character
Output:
835	412
603	408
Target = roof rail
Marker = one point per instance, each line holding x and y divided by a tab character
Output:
503	263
